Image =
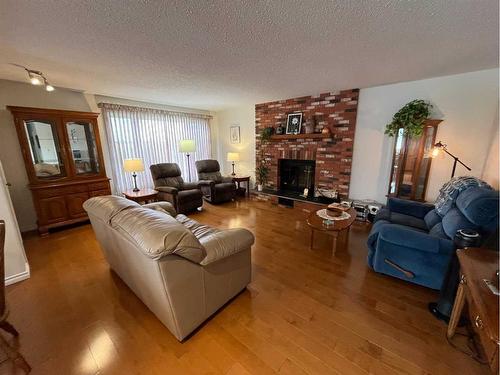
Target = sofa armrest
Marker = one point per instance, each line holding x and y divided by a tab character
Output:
225	243
400	235
227	179
167	189
162	206
206	183
407	207
190	185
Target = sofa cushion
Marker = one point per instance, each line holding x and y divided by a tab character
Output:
158	234
438	231
107	206
222	244
199	230
454	220
411	221
162	206
431	219
479	205
449	192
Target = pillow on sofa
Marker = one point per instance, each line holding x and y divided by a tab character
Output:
158	234
450	191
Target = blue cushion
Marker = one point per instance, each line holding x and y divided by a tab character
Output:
411	221
454	220
479	205
438	231
431	219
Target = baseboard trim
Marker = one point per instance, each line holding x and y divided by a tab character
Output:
19	277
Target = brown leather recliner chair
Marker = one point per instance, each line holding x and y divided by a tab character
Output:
184	196
216	189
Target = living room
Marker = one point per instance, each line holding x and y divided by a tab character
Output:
249	187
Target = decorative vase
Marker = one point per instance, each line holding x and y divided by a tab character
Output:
280	130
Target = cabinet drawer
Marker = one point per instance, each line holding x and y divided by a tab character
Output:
59	191
52	210
98	193
98	186
74	204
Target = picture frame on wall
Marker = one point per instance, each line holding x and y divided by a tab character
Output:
234	134
294	123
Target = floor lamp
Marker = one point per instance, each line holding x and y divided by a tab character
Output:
440	146
186	146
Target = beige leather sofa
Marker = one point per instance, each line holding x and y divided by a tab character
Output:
182	270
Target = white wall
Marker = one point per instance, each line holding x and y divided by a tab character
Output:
466	102
27	95
244	117
491	167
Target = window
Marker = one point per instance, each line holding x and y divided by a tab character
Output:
154	136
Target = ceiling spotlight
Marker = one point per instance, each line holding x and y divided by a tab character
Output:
36	77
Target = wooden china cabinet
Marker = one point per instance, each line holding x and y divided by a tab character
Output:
63	157
411	163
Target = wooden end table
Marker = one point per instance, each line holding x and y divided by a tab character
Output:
477	265
238	179
316	224
143	195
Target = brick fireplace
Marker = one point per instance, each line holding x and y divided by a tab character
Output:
331	152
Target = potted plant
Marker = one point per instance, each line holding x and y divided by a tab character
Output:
410	118
266	133
261	174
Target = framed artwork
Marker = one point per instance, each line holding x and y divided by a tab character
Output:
294	123
234	134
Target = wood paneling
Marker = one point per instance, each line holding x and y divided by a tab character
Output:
305	312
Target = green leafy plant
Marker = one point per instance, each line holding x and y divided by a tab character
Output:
266	133
410	118
262	174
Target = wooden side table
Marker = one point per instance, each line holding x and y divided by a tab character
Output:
143	195
477	265
238	179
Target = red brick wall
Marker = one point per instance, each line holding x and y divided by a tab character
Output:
333	155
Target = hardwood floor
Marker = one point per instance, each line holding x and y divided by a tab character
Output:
305	312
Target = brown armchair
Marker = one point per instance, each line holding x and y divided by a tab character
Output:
184	196
215	187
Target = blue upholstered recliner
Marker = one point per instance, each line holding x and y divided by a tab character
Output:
411	241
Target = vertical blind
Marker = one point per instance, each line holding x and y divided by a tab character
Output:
153	136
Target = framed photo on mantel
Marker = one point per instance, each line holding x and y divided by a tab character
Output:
234	134
294	123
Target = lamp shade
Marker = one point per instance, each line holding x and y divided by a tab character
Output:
133	165
233	156
187	145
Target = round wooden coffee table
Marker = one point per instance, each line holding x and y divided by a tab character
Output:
316	224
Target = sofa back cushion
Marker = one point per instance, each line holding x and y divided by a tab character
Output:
479	206
106	207
158	234
455	220
209	170
166	174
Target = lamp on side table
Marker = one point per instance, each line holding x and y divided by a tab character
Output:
133	166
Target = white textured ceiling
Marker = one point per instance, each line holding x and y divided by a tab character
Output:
217	54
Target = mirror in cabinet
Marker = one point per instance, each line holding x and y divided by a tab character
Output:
44	147
83	149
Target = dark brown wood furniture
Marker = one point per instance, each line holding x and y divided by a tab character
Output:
239	179
12	353
63	157
316	224
142	196
477	265
411	163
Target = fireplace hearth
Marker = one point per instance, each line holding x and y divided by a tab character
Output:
295	175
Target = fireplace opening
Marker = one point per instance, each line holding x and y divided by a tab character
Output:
296	175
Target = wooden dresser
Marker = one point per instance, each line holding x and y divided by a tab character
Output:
475	266
63	158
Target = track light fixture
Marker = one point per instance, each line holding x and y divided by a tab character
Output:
37	78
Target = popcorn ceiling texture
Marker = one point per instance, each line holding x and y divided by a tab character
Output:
334	110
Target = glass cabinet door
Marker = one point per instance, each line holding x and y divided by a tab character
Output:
44	149
83	150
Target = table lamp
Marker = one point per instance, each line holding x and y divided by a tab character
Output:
133	165
232	157
186	146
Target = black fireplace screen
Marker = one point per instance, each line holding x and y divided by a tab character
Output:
296	175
